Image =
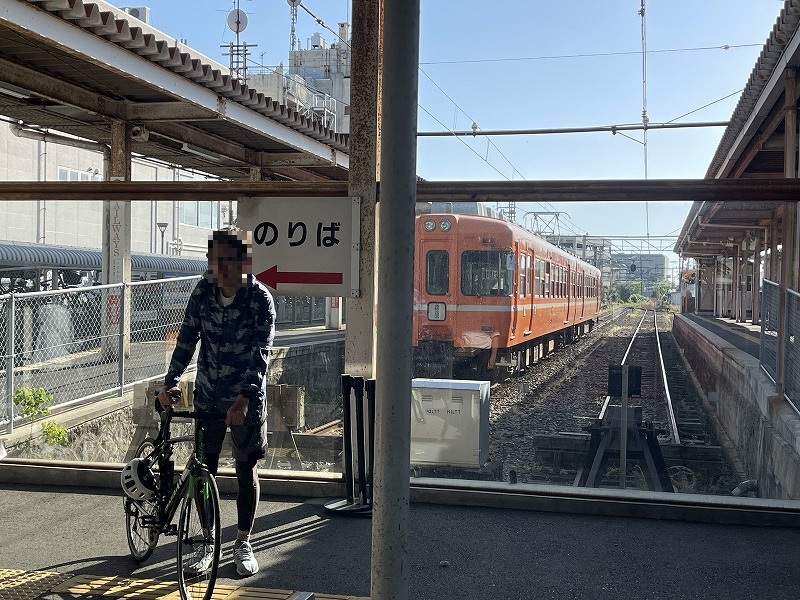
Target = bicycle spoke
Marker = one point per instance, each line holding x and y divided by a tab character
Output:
199	539
140	518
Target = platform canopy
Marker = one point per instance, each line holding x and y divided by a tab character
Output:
753	147
74	67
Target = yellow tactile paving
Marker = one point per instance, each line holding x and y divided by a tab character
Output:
17	584
117	587
221	592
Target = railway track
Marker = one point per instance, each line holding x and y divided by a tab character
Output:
540	421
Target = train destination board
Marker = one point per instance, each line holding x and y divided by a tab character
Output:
305	246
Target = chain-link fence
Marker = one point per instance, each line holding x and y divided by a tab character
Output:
770	321
791	371
80	342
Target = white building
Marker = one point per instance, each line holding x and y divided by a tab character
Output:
79	223
316	83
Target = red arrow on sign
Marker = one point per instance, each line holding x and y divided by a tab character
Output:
272	277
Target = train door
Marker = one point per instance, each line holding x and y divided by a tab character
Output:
581	288
517	279
568	293
435	284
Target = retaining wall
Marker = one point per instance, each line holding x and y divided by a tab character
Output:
763	430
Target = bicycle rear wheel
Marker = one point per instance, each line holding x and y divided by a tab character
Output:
199	539
141	517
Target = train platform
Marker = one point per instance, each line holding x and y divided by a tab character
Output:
745	336
69	543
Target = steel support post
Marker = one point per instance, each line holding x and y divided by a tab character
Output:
10	356
124	331
390	565
757	278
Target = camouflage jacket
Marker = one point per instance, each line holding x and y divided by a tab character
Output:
235	344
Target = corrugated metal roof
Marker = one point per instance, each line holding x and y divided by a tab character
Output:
18	254
119	27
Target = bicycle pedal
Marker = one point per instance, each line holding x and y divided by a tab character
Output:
171	529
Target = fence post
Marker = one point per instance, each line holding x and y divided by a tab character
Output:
121	347
785	348
10	349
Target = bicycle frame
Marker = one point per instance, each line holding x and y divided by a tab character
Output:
171	492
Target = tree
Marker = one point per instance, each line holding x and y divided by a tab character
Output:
626	289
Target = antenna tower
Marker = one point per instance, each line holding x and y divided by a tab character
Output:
293	4
238	52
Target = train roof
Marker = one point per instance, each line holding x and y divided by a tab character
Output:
515	228
22	255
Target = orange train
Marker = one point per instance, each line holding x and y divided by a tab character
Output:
491	298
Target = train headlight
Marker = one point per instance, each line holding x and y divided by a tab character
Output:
445	225
437	311
429	225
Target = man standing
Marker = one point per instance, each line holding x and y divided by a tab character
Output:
233	316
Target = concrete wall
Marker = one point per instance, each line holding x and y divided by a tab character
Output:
763	430
318	368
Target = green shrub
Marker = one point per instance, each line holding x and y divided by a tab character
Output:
32	402
54	434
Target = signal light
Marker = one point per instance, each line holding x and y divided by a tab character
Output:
487	241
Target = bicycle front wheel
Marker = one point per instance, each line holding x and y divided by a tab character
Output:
141	516
199	538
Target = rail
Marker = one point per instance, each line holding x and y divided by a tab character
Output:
673	424
624	358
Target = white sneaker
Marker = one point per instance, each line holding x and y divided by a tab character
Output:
244	559
204	556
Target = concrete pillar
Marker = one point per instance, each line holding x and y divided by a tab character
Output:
116	251
741	277
772	265
359	350
757	278
333	313
390	517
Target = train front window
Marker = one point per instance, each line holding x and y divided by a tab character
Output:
487	272
437	273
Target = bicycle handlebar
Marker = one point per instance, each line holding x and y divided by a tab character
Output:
168	413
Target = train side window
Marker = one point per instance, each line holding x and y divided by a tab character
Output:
523	275
437	272
548	284
487	273
528	263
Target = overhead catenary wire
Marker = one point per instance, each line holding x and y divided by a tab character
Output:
587	55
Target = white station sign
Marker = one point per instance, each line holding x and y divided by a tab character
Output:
305	246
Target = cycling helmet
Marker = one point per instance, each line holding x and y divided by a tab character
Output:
138	480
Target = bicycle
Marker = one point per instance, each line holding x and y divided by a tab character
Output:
152	497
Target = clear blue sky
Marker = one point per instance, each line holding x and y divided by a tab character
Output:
529	64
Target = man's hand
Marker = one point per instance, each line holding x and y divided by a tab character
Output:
238	411
169	396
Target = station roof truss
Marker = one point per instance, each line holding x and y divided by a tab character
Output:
751	148
75	67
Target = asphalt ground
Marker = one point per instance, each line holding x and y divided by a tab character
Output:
454	552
